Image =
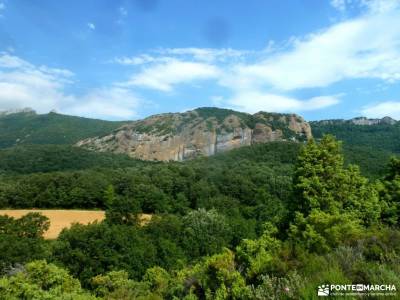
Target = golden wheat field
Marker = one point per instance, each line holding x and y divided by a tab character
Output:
60	219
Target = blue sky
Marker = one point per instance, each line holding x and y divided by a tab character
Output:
127	59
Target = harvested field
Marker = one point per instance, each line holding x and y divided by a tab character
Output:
60	219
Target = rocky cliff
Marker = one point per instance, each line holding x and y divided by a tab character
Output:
359	121
200	132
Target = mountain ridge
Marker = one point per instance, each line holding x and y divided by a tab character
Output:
200	132
359	121
26	127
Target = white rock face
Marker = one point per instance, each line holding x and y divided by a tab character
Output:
184	136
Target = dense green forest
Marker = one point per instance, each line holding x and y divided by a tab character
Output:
270	221
27	159
369	146
30	128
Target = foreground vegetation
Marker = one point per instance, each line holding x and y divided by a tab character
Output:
257	223
368	146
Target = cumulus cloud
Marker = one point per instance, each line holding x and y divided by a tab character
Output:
10	61
164	76
256	101
23	84
366	47
112	103
383	109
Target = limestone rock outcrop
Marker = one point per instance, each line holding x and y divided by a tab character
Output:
200	132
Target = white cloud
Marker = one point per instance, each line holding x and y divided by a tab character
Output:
91	26
135	60
383	109
339	4
110	103
365	47
10	61
23	84
379	6
376	6
208	55
204	54
256	101
164	76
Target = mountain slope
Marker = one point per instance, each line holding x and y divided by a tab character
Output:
27	127
200	132
374	133
27	159
368	143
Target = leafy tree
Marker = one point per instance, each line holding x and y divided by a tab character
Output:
21	240
121	210
32	225
389	192
322	182
89	250
205	232
158	280
116	285
276	288
42	281
165	233
255	256
213	278
330	199
320	231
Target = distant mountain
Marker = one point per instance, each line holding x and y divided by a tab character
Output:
368	143
358	121
200	132
376	133
177	136
22	127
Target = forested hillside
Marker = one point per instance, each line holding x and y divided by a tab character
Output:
267	221
27	127
270	221
160	187
27	159
369	146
